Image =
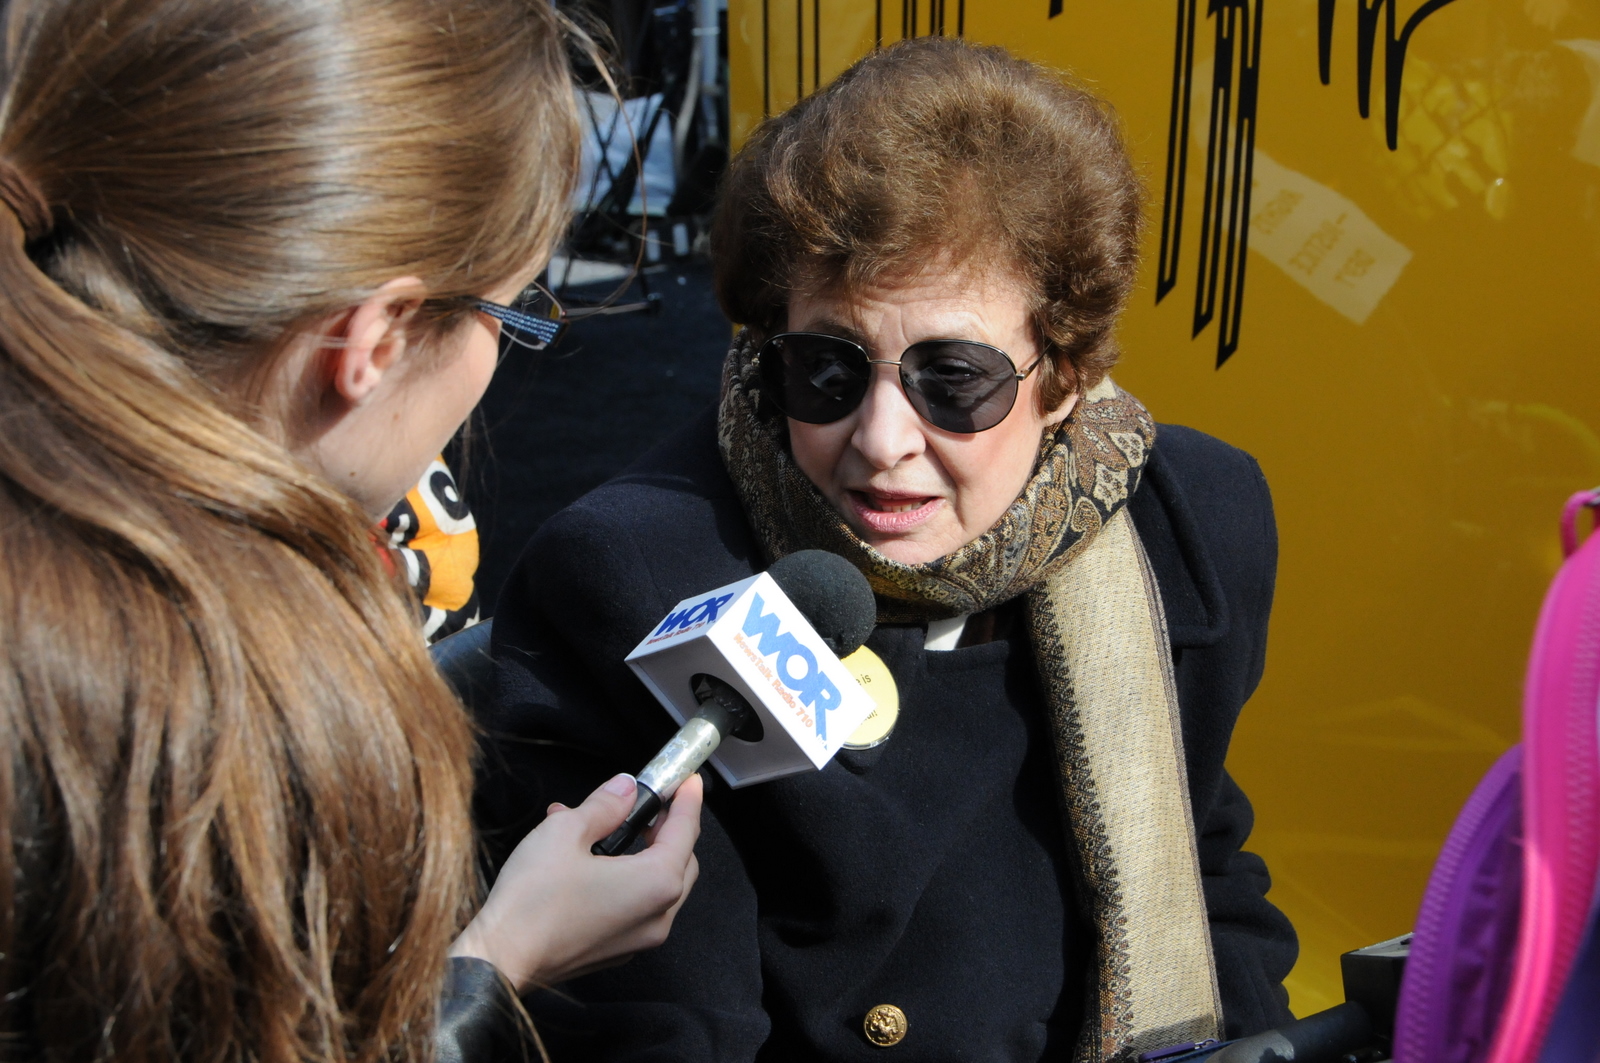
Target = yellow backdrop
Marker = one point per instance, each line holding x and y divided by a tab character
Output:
1411	362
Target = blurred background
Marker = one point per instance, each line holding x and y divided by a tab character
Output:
645	348
1394	309
557	423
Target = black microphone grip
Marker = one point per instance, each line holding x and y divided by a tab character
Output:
646	805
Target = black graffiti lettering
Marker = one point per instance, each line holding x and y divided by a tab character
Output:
938	13
816	44
1394	53
1234	82
1230	162
1177	151
800	48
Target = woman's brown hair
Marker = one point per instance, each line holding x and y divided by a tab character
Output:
937	150
233	790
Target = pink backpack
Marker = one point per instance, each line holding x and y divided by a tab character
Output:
1504	967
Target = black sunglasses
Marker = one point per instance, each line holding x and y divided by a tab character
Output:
957	385
533	321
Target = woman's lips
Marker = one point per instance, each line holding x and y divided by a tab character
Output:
888	514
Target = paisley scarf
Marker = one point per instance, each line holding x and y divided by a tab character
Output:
1099	639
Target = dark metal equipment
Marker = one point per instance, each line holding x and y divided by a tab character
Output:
675	56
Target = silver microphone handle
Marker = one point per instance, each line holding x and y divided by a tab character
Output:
680	758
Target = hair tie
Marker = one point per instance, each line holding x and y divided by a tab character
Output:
19	193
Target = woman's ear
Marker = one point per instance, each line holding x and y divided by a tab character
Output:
368	342
1053	418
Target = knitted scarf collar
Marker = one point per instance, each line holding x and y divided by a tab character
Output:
1099	640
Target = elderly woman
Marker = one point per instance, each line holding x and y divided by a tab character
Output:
1042	859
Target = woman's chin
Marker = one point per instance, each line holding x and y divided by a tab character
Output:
909	551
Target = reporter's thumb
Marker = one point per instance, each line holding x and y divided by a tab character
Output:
604	810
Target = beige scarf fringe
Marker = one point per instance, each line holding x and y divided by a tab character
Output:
1100	641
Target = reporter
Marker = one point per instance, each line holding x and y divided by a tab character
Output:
254	257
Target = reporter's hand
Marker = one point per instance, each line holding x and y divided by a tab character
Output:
558	911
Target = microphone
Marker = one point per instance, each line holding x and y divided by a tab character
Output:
757	662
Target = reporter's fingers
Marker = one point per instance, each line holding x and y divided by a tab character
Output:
691	874
605	809
651	931
675	832
655	934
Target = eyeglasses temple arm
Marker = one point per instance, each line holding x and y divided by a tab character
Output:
543	327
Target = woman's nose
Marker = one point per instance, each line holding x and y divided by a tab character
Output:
888	431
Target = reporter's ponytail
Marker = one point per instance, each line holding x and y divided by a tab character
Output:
233	789
23	199
237	789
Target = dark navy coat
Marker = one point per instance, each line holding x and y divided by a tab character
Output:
929	873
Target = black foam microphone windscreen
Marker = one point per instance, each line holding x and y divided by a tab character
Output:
833	595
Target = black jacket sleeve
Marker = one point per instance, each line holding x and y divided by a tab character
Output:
478	1017
1254	943
1204	514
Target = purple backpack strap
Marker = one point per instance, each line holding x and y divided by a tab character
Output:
1561	800
1508	905
1459	968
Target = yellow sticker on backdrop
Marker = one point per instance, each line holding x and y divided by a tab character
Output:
876	679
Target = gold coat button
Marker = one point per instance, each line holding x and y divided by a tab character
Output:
885	1025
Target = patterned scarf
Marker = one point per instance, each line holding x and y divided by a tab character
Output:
1099	639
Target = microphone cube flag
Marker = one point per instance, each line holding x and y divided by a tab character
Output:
749	635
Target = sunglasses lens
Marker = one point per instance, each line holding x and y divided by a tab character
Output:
958	386
814	379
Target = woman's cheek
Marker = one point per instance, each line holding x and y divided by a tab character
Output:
818	450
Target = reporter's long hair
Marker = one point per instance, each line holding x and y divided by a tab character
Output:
233	791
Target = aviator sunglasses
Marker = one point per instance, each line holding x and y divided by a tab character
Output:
533	321
957	385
